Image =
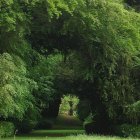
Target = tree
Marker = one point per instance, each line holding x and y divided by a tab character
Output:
99	41
15	87
12	25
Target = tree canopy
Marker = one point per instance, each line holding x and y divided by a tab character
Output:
90	48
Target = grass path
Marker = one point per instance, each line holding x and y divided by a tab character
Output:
67	122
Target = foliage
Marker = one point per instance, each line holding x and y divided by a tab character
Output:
105	42
51	16
133	112
89	119
43	72
44	123
65	106
28	122
88	48
15	87
12	25
107	46
6	129
127	130
25	126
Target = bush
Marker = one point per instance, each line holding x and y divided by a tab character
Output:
44	124
25	126
127	130
6	129
29	121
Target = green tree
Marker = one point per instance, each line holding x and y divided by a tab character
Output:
15	87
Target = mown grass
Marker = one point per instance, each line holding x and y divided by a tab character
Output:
55	133
79	137
67	122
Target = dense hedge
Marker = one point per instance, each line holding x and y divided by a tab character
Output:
25	126
44	124
127	130
6	129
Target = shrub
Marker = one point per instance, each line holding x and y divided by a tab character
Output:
6	129
127	130
29	122
25	126
44	124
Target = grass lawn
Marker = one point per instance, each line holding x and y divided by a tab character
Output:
79	137
55	133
